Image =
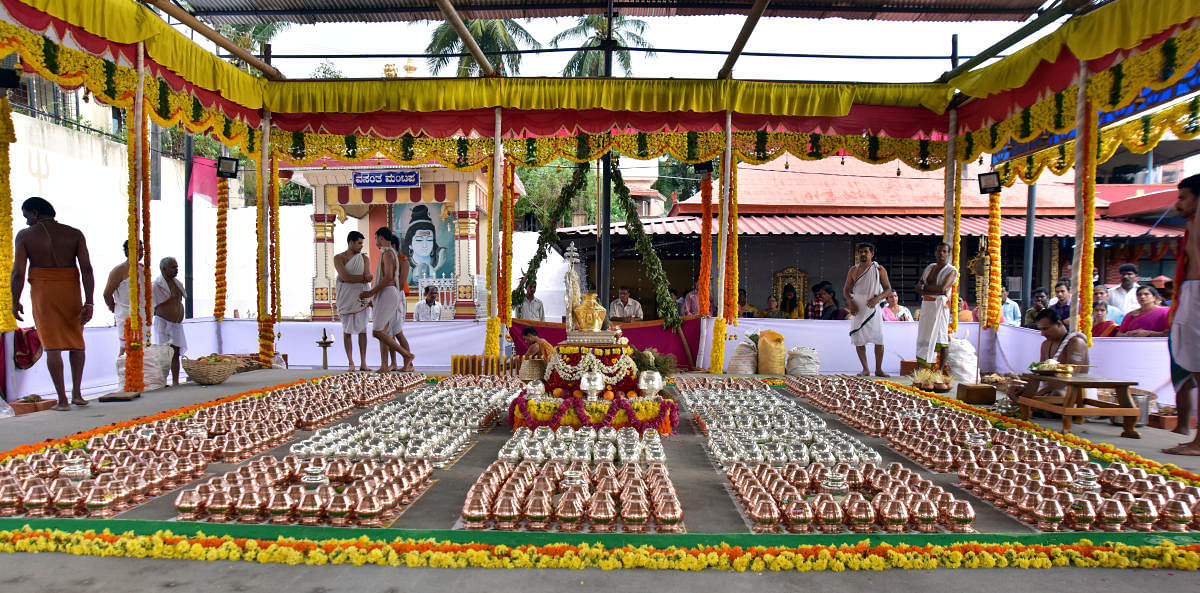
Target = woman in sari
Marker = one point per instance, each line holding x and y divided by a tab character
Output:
1101	326
894	311
1148	320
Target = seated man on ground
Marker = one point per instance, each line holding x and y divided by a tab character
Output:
538	348
624	309
428	309
1060	344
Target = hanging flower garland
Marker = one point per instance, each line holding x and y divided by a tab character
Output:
147	293
1087	255
706	209
265	331
274	245
7	136
732	274
134	380
504	306
491	340
716	360
219	272
622	369
994	302
652	265
955	242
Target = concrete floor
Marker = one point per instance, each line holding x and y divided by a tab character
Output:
707	505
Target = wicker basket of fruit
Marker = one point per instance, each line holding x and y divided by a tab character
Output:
209	370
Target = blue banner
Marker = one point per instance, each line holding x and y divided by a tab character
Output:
370	179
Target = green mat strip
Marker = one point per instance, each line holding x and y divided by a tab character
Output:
689	540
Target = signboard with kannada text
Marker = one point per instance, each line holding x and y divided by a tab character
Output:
372	179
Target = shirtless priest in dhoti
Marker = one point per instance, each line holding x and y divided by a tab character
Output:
58	262
353	277
386	296
1185	311
867	285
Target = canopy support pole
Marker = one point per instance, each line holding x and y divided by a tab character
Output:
948	231
1027	273
739	44
494	218
135	270
604	210
1082	131
468	40
726	176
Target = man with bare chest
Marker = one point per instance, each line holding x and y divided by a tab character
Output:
58	262
168	312
1185	311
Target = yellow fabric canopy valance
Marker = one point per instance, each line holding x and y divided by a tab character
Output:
1120	25
126	21
622	94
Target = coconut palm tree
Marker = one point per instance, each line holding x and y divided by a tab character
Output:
492	35
590	31
252	37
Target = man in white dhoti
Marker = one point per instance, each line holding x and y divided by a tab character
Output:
386	301
116	293
1185	310
353	277
397	326
168	312
867	285
933	331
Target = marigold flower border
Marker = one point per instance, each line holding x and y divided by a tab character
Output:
850	555
1100	451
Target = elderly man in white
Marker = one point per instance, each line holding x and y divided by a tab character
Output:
428	309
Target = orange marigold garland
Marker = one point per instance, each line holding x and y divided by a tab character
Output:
1087	246
219	269
7	136
729	298
504	284
706	210
994	303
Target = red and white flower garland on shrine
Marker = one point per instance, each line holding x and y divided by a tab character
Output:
219	272
665	421
588	362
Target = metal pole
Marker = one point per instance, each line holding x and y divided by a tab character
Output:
1027	273
739	44
223	42
189	301
604	216
951	157
1049	16
1151	176
468	40
264	188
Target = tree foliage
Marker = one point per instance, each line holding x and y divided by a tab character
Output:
492	35
590	31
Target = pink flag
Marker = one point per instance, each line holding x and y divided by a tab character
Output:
204	179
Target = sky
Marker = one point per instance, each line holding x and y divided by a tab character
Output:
829	36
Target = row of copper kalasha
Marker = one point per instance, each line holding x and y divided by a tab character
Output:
337	493
573	497
803	499
97	485
1035	479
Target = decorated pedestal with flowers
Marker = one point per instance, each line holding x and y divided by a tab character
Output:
613	361
642	415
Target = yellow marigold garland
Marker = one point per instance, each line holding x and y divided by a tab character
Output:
7	136
491	341
219	269
261	209
1087	245
442	554
274	244
504	284
716	360
955	243
147	266
134	380
994	303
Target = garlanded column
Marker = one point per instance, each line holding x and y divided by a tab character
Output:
994	304
220	266
491	345
732	273
504	283
706	187
955	248
133	332
7	136
266	328
1085	206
